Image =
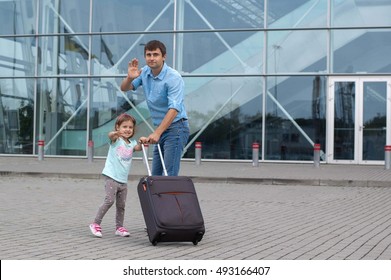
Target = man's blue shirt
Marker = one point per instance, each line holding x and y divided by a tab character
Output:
163	92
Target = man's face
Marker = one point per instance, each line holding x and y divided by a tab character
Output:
154	59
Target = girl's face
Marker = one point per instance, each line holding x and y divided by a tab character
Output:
126	129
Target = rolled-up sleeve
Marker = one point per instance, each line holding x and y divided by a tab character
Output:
175	92
136	83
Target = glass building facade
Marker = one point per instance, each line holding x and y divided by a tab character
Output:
286	74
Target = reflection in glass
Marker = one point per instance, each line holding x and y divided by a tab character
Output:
69	68
210	14
297	13
360	13
111	53
17	17
361	50
71	16
225	52
344	120
286	49
135	15
295	117
62	115
152	15
17	57
16	116
225	114
63	55
374	120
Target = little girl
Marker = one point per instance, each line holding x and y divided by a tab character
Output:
116	172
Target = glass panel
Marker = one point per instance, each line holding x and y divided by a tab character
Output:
357	51
286	55
16	116
62	115
344	120
374	120
361	13
108	102
149	15
17	57
225	114
223	14
225	52
64	16
111	53
17	17
295	117
63	55
296	13
135	15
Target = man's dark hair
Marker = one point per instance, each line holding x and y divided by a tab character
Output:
153	45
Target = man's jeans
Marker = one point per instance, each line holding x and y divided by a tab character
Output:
172	142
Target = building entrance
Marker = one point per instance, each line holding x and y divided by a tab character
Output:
358	123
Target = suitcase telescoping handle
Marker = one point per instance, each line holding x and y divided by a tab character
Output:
146	160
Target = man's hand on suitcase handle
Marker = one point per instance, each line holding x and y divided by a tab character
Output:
151	139
143	140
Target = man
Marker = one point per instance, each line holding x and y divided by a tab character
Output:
164	92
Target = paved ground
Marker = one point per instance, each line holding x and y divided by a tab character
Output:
270	212
245	221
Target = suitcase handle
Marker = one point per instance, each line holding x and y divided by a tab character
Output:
146	160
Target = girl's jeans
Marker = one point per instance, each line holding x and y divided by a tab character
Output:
172	142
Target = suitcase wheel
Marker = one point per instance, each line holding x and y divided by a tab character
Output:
198	237
156	240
